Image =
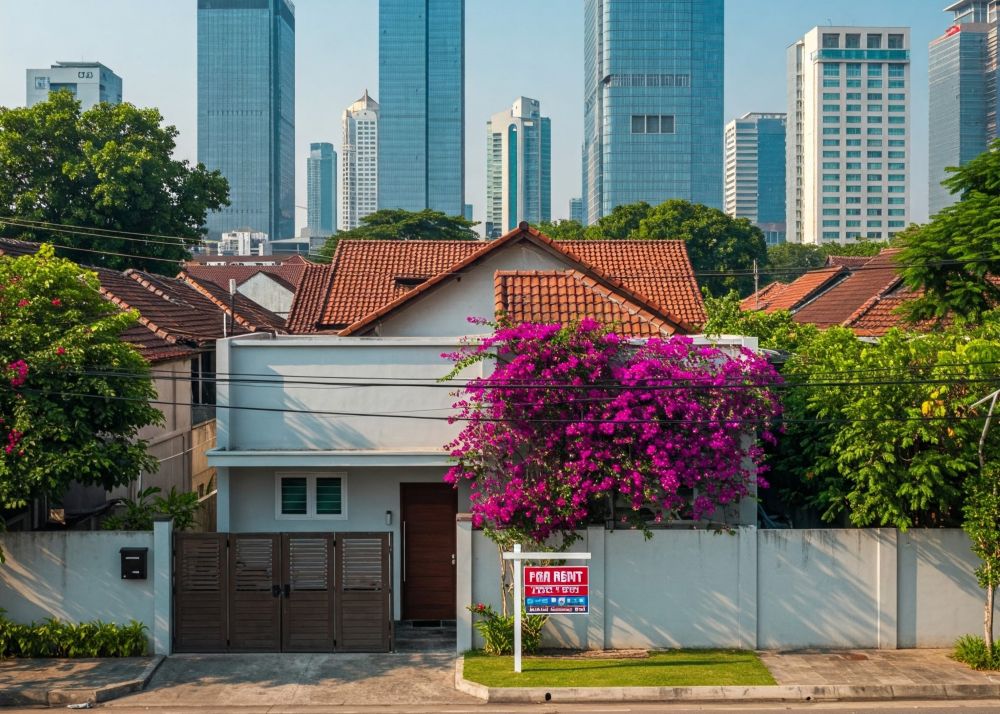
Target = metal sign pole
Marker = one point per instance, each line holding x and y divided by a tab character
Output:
518	596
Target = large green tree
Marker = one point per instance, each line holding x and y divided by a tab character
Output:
397	224
73	395
109	168
953	256
562	230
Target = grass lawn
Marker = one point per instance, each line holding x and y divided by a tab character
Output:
676	668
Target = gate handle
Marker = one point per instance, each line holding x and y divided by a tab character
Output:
275	591
288	590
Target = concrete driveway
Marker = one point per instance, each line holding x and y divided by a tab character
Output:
372	680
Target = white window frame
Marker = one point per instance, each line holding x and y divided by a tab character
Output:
310	514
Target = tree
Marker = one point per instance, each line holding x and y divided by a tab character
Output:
788	261
105	169
623	222
397	224
774	331
952	257
574	422
73	395
562	230
716	243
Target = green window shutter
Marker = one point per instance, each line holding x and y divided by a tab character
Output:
293	496
329	497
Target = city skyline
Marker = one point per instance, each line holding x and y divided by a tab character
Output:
153	47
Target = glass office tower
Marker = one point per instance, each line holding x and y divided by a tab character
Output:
518	167
422	105
246	111
321	190
653	103
963	93
755	172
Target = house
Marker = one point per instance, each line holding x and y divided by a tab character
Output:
179	323
269	281
331	459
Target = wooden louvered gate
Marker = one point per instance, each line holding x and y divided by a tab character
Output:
293	592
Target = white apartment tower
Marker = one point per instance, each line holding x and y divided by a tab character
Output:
848	137
90	82
359	162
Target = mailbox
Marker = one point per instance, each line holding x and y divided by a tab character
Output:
134	563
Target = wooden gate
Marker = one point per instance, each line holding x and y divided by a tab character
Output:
293	592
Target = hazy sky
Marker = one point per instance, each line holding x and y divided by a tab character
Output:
513	47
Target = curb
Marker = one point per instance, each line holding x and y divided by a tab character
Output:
777	693
81	695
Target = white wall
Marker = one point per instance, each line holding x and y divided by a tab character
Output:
268	292
74	576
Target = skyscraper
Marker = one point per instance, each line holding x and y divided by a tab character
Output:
848	136
653	92
963	93
518	167
421	69
321	190
246	111
755	172
359	159
576	209
90	82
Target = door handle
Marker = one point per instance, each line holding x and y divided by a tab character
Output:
452	558
275	591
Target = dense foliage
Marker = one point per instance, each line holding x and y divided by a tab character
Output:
573	418
139	513
774	331
952	256
73	395
397	224
110	167
55	638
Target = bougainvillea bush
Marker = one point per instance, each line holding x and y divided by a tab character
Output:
574	416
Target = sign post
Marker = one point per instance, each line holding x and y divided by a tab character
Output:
563	590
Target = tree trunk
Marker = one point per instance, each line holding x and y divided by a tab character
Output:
988	617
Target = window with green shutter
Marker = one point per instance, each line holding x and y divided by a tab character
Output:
294	496
329	501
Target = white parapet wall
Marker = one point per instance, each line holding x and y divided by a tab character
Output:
76	576
755	589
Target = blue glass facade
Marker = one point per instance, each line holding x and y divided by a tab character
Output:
246	111
422	99
962	104
755	172
653	103
321	190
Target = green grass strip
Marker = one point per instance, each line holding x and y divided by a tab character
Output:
675	668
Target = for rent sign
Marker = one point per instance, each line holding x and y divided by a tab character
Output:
557	590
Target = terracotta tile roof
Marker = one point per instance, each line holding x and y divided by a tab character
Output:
15	248
837	305
288	274
368	275
659	270
254	261
879	314
760	299
797	293
566	296
306	312
846	261
247	313
154	348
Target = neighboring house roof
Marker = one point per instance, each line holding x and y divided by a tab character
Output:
847	261
793	295
369	279
246	312
253	261
288	273
15	248
154	348
838	304
569	296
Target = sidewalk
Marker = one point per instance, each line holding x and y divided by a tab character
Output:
427	679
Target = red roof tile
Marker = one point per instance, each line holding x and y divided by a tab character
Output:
798	292
847	261
154	348
306	312
569	296
247	313
16	248
288	273
836	306
760	299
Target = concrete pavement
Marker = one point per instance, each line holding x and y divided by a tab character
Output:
60	682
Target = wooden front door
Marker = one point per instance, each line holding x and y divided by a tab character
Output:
428	513
255	592
307	605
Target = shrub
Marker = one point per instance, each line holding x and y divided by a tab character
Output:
138	514
498	630
55	638
972	650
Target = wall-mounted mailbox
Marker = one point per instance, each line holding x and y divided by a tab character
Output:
134	563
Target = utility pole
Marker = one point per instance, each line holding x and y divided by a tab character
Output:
756	285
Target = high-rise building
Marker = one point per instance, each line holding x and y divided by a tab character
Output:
576	209
246	111
90	82
963	93
848	145
653	103
359	159
518	167
421	70
467	210
755	172
321	190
